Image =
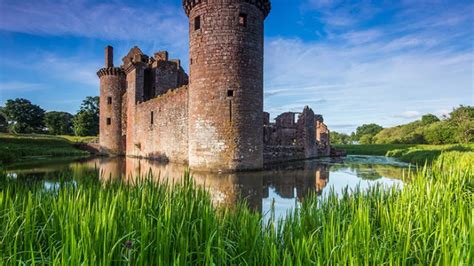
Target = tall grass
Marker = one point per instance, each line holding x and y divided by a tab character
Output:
427	222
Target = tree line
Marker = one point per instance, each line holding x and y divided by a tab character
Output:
457	127
21	116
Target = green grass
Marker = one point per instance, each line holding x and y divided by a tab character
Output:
412	153
428	222
17	148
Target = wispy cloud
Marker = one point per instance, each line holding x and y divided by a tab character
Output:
409	114
163	23
19	86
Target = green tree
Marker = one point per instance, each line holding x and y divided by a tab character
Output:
86	121
58	123
367	129
340	138
440	133
3	121
23	116
429	119
462	118
366	139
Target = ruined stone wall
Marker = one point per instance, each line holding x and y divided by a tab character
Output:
286	120
277	154
226	84
322	137
160	129
168	75
307	133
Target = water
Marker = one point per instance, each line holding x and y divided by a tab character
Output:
283	186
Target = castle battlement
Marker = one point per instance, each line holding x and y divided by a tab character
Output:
112	71
264	5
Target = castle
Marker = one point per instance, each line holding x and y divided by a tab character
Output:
212	120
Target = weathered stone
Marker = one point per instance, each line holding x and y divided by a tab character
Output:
216	122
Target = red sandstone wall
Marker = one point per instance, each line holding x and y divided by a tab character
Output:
112	87
166	139
225	133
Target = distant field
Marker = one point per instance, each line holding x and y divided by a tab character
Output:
15	148
406	152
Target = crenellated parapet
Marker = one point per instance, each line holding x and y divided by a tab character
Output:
110	71
263	5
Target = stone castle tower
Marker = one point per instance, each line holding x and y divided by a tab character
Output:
112	87
226	83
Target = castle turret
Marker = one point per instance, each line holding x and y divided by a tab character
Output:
112	88
226	83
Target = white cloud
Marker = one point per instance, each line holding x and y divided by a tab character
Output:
19	86
112	21
409	114
365	83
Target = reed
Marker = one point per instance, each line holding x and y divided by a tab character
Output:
428	221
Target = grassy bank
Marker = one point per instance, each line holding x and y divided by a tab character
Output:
427	222
411	153
17	148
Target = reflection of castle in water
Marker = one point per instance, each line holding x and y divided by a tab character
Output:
225	188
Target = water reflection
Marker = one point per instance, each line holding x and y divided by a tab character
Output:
282	187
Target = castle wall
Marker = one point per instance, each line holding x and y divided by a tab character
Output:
226	85
112	87
168	75
162	135
322	137
307	133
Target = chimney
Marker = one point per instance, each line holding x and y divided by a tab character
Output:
109	56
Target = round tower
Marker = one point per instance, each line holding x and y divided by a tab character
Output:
226	83
112	88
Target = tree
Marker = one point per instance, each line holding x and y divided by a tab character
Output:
440	133
23	116
462	118
366	139
3	121
86	121
339	138
429	119
367	129
58	123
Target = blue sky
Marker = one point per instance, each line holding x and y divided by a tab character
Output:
354	62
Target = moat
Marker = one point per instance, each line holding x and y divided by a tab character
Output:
283	186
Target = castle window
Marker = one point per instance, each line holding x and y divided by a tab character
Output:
109	100
151	117
109	121
243	19
197	23
230	93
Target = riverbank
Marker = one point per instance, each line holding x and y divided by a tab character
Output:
426	222
410	153
17	148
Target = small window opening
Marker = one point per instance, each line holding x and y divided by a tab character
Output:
230	93
197	23
191	61
109	100
151	117
243	19
109	121
230	111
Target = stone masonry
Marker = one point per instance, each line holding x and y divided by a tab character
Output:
212	120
